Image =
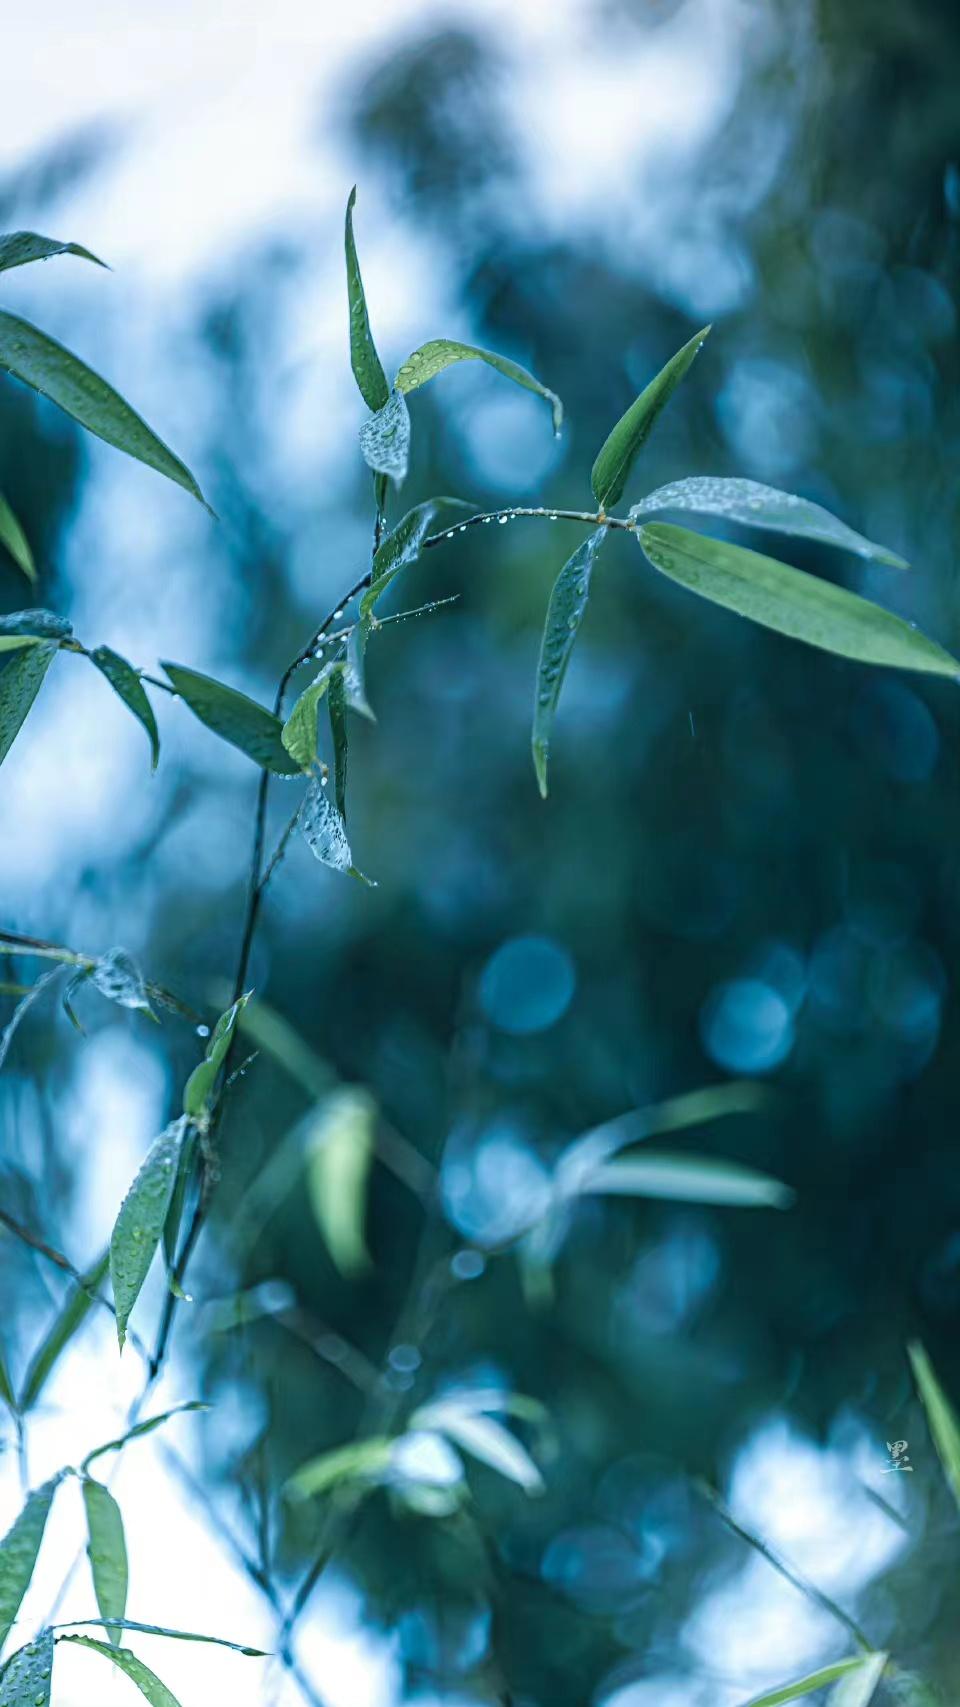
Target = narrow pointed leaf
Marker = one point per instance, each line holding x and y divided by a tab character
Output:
367	369
200	1085
67	1322
354	684
15	540
7	1395
26	1677
146	1680
146	1427
361	1460
791	601
431	359
39	361
339	1152
942	1419
401	547
18	1553
750	504
17	248
687	1179
125	681
385	439
235	717
20	681
137	1230
620	449
859	1687
16	642
323	830
807	1685
34	622
337	711
107	1549
118	977
23	1006
674	1114
299	734
161	1630
178	1200
488	1440
568	601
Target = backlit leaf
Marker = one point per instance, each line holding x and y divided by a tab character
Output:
125	681
26	1677
339	1151
18	1553
858	1688
361	1460
687	1179
568	601
146	1427
20	681
235	717
674	1114
137	1230
431	359
807	1685
941	1417
107	1549
753	505
15	540
299	734
39	361
486	1439
17	248
118	977
620	449
16	642
163	1630
200	1085
146	1680
67	1322
401	547
367	369
794	603
385	439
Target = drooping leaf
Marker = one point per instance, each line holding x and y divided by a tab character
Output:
858	1688
687	1179
485	1439
360	1461
107	1549
161	1630
942	1419
26	1678
39	361
675	1114
753	505
17	248
385	439
67	1322
15	540
322	828
23	1006
34	622
807	1685
431	359
568	601
339	1151
200	1085
620	449
137	1230
18	1553
146	1427
146	1680
235	717
20	681
791	601
299	733
367	369
337	712
125	681
118	977
178	1200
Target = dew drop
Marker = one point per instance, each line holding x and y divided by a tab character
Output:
203	1031
552	517
503	520
486	520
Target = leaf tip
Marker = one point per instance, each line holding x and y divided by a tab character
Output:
540	754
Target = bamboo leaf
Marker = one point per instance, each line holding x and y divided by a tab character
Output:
401	547
18	1553
107	1549
147	1681
687	1179
753	505
125	681
200	1085
159	1630
858	1688
385	439
431	359
485	1439
67	1322
361	1460
15	540
17	248
568	601
118	977
26	1677
139	1224
40	362
234	717
16	642
323	830
34	622
300	734
20	681
675	1114
620	449
145	1427
25	1003
339	1152
807	1685
7	1395
367	369
337	711
791	601
941	1417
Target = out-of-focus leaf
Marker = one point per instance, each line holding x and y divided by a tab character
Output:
568	601
17	248
7	1395
15	540
25	1003
34	622
178	1200
441	353
199	1087
39	361
235	717
26	1677
675	1114
118	977
20	681
107	1549
339	1151
483	1438
360	1461
337	711
270	1031
18	1553
146	1680
299	733
807	1685
163	1630
67	1322
367	369
687	1179
753	505
125	681
791	601
322	828
941	1417
858	1688
137	1230
146	1427
620	449
385	439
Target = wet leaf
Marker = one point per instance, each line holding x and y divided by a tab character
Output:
791	601
339	1152
807	1685
300	733
431	359
40	362
125	681
235	717
200	1085
20	681
941	1417
367	369
161	1630
137	1230
401	547
17	248
361	1460
18	1553
354	685
323	830
26	1677
753	505
107	1549
118	977
34	622
67	1322
146	1680
619	451
23	1006
15	540
337	711
687	1179
385	439
178	1201
568	601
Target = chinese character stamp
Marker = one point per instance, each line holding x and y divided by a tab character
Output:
898	1457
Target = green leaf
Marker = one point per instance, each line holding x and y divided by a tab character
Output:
339	1151
234	717
178	1200
791	601
125	681
941	1417
674	1114
401	547
161	1630
431	359
13	537
7	1395
17	248
25	1680
34	622
619	451
361	1460
20	682
337	710
568	601
107	1549
39	361
806	1685
299	734
485	1439
385	439
16	642
137	1230
146	1681
67	1322
200	1085
118	977
18	1553
687	1179
859	1687
367	369
25	1003
146	1427
354	685
753	505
